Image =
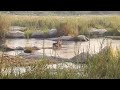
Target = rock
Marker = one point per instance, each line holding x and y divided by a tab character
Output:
81	58
19	48
38	34
35	48
11	49
52	32
66	38
63	38
53	39
81	38
97	32
113	37
84	56
34	56
70	38
30	55
30	49
17	28
27	51
15	34
6	48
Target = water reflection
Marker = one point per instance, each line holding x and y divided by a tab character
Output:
69	50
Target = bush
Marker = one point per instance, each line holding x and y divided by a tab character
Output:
28	32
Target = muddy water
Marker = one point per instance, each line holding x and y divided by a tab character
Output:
69	50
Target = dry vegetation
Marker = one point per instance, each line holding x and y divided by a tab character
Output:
103	65
68	25
72	25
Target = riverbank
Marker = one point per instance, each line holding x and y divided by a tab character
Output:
104	65
80	58
37	26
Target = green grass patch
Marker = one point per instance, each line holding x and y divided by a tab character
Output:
28	32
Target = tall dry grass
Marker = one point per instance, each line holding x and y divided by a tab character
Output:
104	65
70	24
4	24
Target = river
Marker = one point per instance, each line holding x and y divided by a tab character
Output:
69	50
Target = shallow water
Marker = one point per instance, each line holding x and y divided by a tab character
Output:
51	67
69	50
15	70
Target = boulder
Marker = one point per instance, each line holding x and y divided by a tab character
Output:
27	51
70	38
6	48
81	58
81	38
113	37
17	28
53	39
84	56
19	48
38	34
95	31
63	38
30	56
66	38
30	49
34	56
15	34
52	32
